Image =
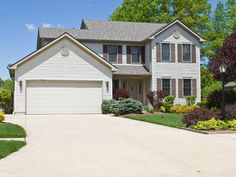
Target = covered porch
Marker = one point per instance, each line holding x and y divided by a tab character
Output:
136	79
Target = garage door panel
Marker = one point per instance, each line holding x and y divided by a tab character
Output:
55	97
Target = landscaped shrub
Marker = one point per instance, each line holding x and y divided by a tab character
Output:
182	108
190	100
211	124
232	124
121	93
107	106
6	103
127	106
215	98
148	109
156	98
230	112
168	104
2	117
202	104
196	115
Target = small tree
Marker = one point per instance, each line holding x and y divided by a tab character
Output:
121	93
156	98
227	55
6	100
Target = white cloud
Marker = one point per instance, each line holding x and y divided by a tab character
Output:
46	25
60	26
30	26
90	4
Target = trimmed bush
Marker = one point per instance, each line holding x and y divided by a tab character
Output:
182	108
121	93
2	117
127	106
107	106
196	115
215	98
121	107
211	124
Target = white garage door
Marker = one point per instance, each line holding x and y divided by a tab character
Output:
63	97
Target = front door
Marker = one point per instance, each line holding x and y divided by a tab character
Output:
135	87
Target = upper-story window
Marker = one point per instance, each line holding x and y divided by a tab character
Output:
165	52
186	53
187	87
136	54
112	51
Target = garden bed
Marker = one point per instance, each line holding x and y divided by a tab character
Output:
172	120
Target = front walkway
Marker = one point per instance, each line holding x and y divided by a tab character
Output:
100	146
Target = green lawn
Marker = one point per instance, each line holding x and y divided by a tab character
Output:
8	130
168	119
8	147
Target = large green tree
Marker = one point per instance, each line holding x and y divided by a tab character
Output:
194	13
223	21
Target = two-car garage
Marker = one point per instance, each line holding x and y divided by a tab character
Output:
63	77
63	97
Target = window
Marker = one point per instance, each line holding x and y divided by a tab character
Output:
112	53
115	84
135	52
186	53
187	87
166	86
165	52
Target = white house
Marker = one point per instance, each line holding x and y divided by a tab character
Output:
73	70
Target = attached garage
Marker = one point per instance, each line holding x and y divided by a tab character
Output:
63	77
63	97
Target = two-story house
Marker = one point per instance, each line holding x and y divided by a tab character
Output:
73	70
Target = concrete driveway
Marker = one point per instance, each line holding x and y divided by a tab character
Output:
104	146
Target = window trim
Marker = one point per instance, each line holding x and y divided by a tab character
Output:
191	86
191	60
108	45
169	52
140	59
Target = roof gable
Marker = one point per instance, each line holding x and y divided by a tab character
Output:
161	30
70	38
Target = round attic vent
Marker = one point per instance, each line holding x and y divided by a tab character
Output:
176	34
65	51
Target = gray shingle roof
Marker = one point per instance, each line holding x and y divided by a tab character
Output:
131	70
106	30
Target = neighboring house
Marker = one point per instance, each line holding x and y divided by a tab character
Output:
73	70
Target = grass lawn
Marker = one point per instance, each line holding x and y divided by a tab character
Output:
8	147
168	119
8	130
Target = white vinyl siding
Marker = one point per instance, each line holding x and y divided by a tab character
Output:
177	70
51	65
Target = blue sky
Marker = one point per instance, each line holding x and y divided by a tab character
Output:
20	20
